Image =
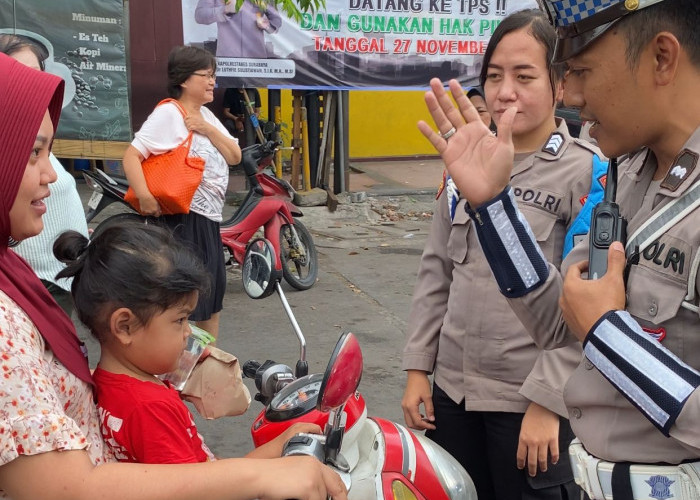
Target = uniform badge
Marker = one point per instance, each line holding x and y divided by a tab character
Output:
657	334
441	188
682	168
554	144
660	487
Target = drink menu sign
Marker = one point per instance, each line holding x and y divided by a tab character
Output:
85	42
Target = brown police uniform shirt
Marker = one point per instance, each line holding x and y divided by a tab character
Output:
608	425
461	328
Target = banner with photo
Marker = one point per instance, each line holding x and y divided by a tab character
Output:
85	42
351	44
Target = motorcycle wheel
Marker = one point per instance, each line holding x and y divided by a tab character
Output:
121	217
299	271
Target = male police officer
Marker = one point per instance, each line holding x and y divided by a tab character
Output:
634	70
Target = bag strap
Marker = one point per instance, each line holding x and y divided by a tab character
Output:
188	140
659	223
176	103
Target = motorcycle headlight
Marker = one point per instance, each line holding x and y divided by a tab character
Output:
401	492
452	476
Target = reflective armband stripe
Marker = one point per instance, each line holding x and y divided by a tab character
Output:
511	249
650	376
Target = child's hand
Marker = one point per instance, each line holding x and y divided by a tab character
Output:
273	449
295	429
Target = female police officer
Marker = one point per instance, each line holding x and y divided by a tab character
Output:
461	328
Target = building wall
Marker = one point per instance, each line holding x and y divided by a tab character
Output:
382	123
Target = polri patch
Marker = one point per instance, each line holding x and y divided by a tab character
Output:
554	144
660	487
682	167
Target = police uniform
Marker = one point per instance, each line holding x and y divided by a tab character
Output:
657	287
634	401
634	397
461	328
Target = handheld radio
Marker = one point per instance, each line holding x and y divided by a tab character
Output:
607	225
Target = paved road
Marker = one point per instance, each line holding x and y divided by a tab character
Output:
368	264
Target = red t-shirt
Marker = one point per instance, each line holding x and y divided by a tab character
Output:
145	422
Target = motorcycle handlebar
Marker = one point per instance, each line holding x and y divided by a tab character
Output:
250	368
253	155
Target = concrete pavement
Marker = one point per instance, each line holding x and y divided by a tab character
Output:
398	176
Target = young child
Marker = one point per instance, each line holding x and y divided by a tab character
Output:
134	287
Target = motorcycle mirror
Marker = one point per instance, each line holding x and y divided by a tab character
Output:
269	127
259	274
343	374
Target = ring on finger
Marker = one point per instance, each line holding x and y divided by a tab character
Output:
449	133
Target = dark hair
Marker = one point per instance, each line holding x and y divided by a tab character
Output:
474	91
540	29
680	17
127	264
11	44
182	62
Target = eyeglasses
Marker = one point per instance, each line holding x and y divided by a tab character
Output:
211	76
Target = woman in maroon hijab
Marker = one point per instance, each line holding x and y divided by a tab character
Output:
50	444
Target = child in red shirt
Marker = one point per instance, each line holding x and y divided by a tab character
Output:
134	287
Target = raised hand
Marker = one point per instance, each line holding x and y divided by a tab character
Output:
479	162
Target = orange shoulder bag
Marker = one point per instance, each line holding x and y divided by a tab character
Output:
172	177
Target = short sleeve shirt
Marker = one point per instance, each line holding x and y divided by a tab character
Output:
146	422
43	406
164	130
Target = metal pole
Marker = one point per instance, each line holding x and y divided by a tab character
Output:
306	165
295	325
311	100
340	172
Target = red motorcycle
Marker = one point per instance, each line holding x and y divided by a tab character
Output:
268	205
376	458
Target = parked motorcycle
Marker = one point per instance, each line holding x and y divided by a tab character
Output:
268	205
376	458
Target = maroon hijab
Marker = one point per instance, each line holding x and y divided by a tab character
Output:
25	95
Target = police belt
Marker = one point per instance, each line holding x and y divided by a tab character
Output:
595	477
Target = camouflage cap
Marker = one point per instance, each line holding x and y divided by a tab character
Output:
580	22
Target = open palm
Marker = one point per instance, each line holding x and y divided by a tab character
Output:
479	162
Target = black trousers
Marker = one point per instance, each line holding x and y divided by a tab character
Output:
486	443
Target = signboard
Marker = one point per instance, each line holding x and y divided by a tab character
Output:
351	44
85	40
